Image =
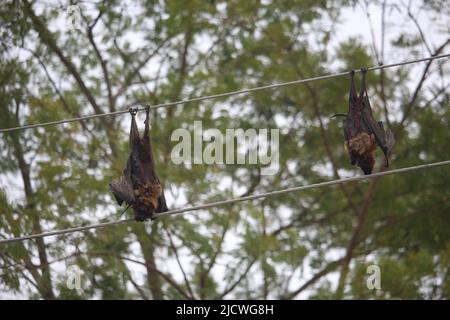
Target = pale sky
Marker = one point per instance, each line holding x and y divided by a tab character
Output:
354	24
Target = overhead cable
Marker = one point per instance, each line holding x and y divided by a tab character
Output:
221	95
234	200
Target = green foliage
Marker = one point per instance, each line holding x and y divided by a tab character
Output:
158	51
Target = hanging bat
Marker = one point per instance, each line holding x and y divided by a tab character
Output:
361	132
139	186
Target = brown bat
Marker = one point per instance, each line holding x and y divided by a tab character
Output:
361	132
139	186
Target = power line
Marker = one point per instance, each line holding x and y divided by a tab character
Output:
234	200
221	95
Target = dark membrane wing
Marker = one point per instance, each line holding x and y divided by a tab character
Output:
137	175
347	124
346	131
162	206
388	142
384	139
134	132
352	126
122	190
147	150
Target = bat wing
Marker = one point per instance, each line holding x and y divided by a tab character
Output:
136	169
347	135
122	191
346	130
388	141
162	206
384	139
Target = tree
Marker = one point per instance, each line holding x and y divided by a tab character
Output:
289	246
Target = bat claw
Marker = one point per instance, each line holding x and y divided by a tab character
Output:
364	70
133	111
147	113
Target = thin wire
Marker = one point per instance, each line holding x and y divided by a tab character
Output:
221	95
234	200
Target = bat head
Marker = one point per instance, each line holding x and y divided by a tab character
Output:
143	209
366	162
141	215
147	196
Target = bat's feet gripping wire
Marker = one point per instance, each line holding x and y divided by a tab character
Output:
364	70
147	113
133	111
352	72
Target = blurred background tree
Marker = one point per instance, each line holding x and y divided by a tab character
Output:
314	244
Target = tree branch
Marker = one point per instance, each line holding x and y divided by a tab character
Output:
415	95
175	251
102	61
47	38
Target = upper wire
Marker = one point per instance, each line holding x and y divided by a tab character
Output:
221	95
